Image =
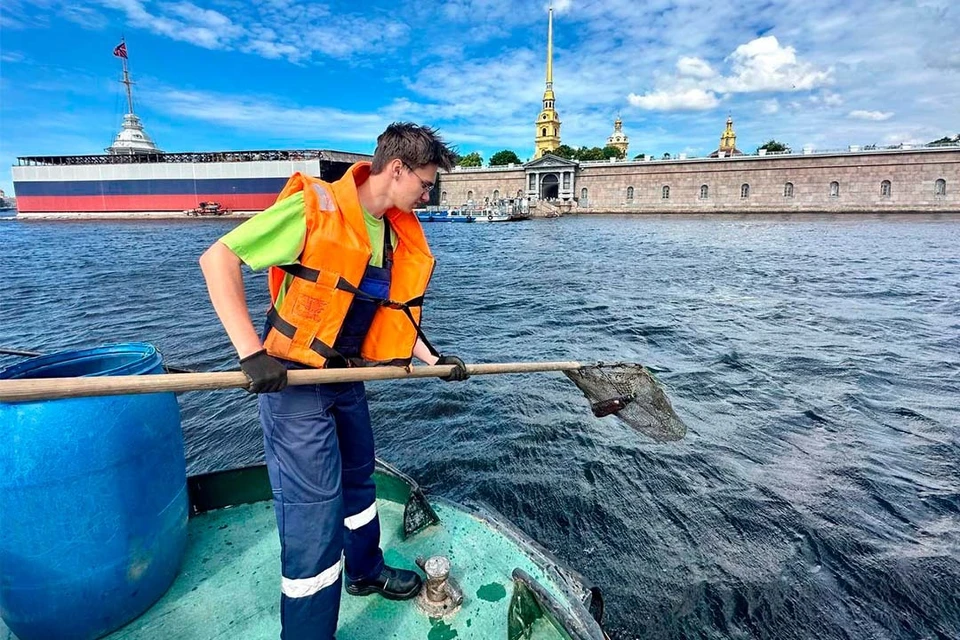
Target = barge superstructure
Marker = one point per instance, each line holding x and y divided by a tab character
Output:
134	177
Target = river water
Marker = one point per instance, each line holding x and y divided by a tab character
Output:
816	361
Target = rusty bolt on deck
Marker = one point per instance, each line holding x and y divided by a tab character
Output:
441	596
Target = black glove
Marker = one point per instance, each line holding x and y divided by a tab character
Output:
266	374
459	374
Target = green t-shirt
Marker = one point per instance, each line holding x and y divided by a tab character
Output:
276	236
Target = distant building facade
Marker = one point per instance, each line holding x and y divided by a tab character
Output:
900	180
923	179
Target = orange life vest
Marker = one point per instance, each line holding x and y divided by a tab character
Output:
335	255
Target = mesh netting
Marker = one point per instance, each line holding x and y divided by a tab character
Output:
631	393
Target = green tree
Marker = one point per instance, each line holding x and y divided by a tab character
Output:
471	160
946	140
772	146
502	158
565	151
640	156
610	151
594	153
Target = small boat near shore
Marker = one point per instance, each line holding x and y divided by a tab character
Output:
208	209
497	211
491	214
435	213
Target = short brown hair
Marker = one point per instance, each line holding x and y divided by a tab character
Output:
412	144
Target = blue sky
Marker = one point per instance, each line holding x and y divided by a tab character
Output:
238	74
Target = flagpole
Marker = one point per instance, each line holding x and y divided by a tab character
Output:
126	76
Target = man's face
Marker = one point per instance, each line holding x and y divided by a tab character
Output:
414	185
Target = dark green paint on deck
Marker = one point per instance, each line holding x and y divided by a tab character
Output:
492	592
440	630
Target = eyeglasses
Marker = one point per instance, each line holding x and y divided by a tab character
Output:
426	186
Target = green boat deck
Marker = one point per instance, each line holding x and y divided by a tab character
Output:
229	583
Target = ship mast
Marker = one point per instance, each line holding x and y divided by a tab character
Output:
126	77
132	139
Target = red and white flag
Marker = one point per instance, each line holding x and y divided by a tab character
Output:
120	50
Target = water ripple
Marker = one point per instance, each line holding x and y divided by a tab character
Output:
814	359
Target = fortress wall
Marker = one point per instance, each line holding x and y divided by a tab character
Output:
912	175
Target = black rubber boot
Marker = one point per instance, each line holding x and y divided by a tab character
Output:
393	584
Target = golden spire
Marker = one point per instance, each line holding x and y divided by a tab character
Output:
550	48
547	137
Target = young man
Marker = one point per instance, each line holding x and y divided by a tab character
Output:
349	265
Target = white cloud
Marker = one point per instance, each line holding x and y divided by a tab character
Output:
197	15
87	17
861	114
244	112
763	65
832	99
694	67
475	67
903	137
679	100
264	28
483	16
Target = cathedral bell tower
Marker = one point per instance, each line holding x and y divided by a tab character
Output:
728	139
547	137
617	139
728	142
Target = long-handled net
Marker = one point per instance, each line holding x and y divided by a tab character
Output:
626	390
630	392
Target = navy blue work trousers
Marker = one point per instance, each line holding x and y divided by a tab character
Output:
319	450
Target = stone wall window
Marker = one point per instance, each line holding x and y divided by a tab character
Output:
885	189
704	192
583	193
744	190
443	197
533	182
788	190
496	194
566	181
629	194
470	195
940	188
543	132
665	193
834	189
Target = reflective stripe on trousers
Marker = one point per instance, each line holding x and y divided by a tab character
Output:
320	457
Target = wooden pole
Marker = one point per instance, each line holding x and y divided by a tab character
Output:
23	390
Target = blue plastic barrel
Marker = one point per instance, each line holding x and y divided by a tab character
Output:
93	501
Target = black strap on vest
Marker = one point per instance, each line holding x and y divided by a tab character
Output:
334	358
313	275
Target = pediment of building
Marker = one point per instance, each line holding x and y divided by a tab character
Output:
550	161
